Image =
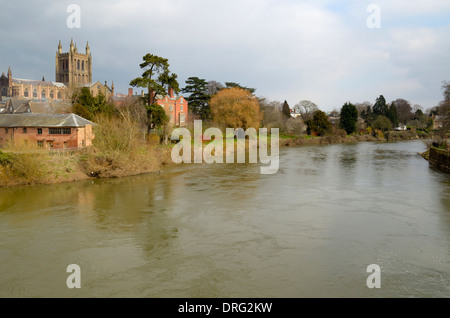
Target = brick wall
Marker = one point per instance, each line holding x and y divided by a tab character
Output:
78	137
176	110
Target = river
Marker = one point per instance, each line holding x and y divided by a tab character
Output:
224	230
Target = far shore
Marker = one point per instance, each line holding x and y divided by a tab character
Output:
69	167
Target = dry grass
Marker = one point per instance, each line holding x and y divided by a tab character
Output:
119	149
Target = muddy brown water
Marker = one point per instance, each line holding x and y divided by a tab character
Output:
224	230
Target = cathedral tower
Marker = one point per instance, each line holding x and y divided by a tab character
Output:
73	67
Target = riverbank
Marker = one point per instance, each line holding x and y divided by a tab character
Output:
103	161
43	167
439	158
336	139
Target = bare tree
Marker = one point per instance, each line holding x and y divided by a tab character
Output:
404	110
295	126
273	117
363	106
416	107
306	108
213	87
444	110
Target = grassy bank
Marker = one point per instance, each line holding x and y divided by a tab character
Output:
118	150
342	138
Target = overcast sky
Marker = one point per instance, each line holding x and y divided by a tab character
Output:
291	50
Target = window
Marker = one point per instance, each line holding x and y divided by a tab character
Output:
59	95
6	130
49	144
35	93
59	131
181	108
52	94
26	93
24	130
40	144
171	107
82	65
39	131
78	65
43	94
182	118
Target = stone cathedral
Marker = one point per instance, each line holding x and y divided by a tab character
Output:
73	69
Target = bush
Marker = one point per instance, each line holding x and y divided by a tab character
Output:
119	149
295	126
5	158
382	123
26	167
341	133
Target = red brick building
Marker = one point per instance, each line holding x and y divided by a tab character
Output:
49	131
176	108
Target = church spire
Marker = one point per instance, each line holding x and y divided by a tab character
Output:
60	47
88	50
9	72
71	45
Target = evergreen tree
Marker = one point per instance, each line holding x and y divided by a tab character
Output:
87	106
157	79
286	110
232	84
319	123
349	118
198	98
392	114
380	108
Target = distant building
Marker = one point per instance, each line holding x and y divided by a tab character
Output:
49	131
438	122
73	67
294	113
72	70
400	127
119	99
334	117
176	108
23	106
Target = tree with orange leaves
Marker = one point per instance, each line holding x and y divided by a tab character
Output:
236	108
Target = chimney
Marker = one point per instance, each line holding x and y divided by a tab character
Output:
130	92
171	92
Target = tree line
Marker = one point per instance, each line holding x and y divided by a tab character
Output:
234	105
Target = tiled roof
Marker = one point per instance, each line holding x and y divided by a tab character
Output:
34	82
15	105
43	120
